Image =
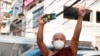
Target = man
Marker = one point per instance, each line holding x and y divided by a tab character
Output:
59	40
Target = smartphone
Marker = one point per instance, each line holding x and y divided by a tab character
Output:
49	17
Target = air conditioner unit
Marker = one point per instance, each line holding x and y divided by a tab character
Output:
5	28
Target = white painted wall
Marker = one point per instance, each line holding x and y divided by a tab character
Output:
95	6
28	27
29	31
93	16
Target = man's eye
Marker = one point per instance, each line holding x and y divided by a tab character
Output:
56	38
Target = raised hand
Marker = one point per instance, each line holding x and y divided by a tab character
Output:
82	9
41	20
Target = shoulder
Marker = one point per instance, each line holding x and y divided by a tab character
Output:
68	49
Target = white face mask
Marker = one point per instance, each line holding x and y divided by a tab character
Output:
58	44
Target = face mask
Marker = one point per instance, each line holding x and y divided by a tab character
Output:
58	44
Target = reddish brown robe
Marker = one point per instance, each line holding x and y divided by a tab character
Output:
64	52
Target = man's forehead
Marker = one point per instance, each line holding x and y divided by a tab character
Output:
61	35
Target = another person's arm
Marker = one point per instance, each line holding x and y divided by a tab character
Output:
75	38
41	44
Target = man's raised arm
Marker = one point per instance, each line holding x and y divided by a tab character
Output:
41	44
75	38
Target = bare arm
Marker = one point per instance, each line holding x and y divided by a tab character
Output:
75	38
41	44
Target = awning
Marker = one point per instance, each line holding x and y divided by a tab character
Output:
27	2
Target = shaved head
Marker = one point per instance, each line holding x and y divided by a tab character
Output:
59	35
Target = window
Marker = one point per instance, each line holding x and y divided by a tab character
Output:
36	14
98	17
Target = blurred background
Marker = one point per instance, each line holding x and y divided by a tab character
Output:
19	24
